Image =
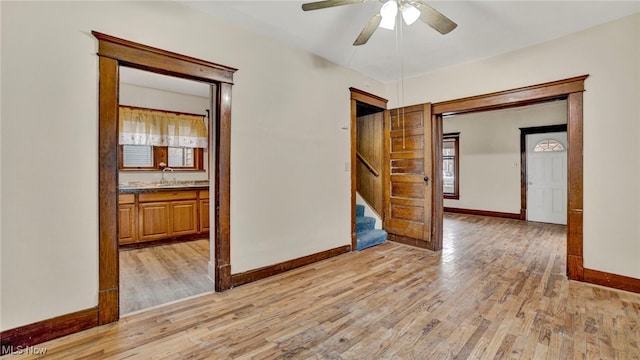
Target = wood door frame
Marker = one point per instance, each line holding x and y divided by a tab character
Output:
570	89
523	159
376	101
115	52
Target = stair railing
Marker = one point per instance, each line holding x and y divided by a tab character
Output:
367	164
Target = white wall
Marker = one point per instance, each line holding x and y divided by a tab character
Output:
610	53
142	96
290	195
490	153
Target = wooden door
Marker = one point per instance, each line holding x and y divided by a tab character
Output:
409	175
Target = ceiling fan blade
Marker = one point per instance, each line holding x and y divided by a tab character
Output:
329	3
433	18
368	30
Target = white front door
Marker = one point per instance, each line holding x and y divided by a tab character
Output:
547	177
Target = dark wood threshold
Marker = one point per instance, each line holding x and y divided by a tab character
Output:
484	213
419	243
615	281
264	272
168	241
42	331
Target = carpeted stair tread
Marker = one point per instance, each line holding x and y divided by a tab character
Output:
364	223
359	210
369	238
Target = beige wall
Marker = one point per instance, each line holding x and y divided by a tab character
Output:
610	53
290	194
142	96
490	153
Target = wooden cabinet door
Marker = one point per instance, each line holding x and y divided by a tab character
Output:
127	221
204	215
184	217
408	163
153	221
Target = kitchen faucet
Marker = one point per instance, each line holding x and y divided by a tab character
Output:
162	181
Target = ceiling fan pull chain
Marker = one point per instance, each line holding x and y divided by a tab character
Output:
400	48
403	137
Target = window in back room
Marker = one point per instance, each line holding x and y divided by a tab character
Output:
450	165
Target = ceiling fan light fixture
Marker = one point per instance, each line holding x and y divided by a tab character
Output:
388	23
409	13
389	11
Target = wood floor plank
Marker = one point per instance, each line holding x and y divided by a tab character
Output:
496	291
157	275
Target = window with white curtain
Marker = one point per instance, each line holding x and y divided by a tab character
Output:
152	139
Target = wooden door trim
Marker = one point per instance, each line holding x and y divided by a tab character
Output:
523	159
113	53
364	97
437	195
512	98
570	89
428	171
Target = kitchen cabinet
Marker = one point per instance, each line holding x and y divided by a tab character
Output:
127	219
153	221
166	214
204	210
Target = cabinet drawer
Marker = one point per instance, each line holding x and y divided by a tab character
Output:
204	194
126	198
167	196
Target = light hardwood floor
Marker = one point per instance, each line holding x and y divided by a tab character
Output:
158	275
497	290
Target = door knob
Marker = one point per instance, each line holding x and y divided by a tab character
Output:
426	180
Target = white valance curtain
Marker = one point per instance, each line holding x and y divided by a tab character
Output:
161	128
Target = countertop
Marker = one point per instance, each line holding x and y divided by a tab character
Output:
144	186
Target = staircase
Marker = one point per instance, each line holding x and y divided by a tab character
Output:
366	235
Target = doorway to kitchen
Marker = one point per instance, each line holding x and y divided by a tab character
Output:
163	188
113	53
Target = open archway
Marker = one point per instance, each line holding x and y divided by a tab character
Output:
570	89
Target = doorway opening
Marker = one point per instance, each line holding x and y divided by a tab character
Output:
114	53
366	166
164	172
543	152
483	163
570	90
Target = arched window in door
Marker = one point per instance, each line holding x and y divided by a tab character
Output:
548	145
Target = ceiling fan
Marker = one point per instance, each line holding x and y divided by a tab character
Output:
411	11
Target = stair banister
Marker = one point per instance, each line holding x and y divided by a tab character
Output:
367	164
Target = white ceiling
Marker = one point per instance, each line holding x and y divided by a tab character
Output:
485	28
